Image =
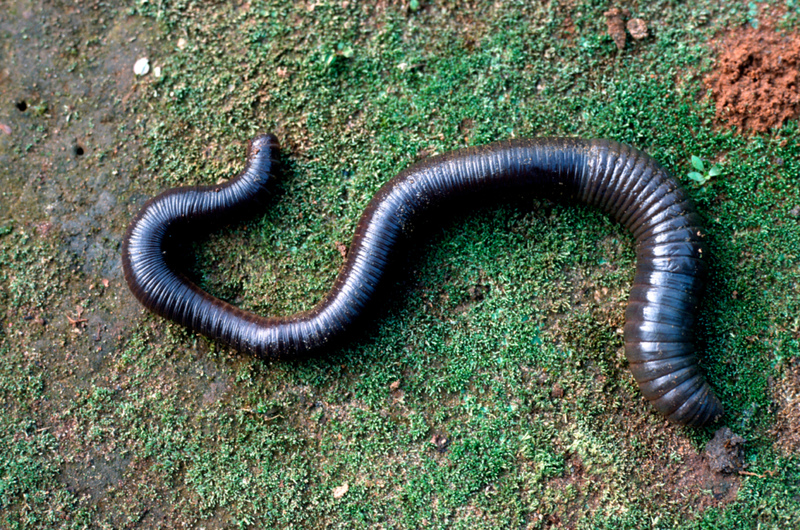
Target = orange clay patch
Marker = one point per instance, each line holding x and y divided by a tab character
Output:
756	83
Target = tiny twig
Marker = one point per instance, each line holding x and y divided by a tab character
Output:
750	474
75	321
270	418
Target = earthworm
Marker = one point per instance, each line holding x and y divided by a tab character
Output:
625	183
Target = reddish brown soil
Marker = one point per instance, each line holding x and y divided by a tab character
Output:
756	83
787	420
683	472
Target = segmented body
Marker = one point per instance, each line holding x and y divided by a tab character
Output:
625	183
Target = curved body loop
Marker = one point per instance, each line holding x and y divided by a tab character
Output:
625	183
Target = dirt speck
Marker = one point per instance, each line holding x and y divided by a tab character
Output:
215	391
725	452
440	441
756	84
342	249
475	293
478	292
340	491
580	479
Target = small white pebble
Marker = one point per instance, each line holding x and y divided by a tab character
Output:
157	71
181	43
142	66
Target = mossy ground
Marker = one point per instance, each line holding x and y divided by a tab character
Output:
490	390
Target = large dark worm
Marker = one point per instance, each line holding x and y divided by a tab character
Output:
625	183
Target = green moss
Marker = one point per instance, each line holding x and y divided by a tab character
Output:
363	100
489	390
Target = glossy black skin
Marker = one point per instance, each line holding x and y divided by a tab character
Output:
625	183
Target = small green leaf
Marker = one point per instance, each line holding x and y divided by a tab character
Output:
348	52
40	109
698	164
413	5
697	177
714	171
